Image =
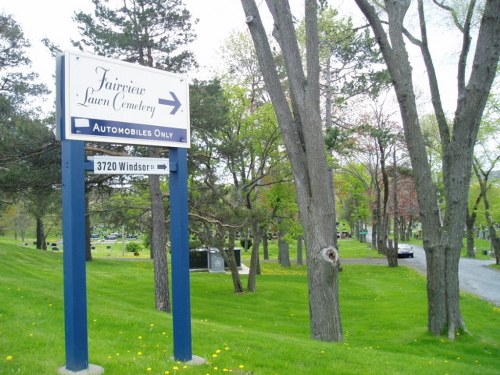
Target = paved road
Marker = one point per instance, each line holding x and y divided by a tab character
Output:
475	275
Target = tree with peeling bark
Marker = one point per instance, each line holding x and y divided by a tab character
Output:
442	239
299	118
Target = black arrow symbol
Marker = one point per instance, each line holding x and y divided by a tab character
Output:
161	166
174	102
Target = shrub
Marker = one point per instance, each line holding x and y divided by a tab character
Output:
134	247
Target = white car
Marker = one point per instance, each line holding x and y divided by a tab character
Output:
405	251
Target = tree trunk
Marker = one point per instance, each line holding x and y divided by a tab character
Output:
301	127
393	248
469	228
375	224
159	241
300	243
392	254
283	250
254	259
265	245
442	241
409	229
230	259
40	234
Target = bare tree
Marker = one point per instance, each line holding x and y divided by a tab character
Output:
442	240
301	127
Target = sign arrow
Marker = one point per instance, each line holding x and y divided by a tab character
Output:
161	166
174	102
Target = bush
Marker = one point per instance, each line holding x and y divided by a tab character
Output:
134	247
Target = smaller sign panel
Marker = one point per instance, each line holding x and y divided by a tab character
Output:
130	165
113	101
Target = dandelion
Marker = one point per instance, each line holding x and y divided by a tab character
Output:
139	353
152	325
175	368
139	337
9	358
241	366
185	367
167	372
215	355
218	351
149	369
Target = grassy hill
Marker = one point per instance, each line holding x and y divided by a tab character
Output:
383	312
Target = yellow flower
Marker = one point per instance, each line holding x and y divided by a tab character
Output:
149	369
9	358
217	351
139	353
167	372
241	366
175	368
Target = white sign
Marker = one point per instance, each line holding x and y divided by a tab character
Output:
116	102
130	165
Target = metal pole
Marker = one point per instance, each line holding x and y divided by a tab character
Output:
179	227
75	288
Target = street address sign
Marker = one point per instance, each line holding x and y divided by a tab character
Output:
130	165
112	101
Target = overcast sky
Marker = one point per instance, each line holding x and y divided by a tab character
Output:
217	19
54	19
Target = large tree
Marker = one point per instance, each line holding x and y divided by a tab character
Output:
301	126
29	170
442	239
152	33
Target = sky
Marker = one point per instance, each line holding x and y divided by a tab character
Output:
217	19
54	19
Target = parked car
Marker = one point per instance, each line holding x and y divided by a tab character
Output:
405	251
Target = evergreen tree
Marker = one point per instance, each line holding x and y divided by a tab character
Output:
152	33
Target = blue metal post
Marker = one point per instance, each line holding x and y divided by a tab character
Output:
179	227
75	286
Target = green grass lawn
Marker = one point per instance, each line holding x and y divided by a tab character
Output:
267	332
